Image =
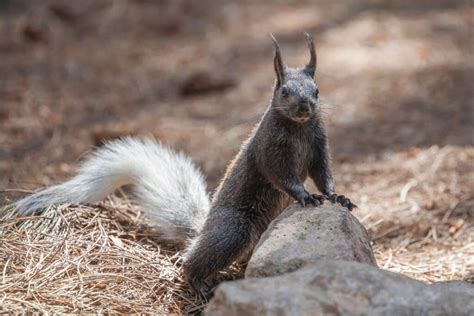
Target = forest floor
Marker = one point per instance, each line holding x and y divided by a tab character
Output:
396	79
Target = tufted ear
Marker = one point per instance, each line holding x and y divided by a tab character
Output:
311	66
278	63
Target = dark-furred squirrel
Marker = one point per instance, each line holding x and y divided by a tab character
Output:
287	145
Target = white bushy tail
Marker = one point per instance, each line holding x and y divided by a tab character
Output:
166	184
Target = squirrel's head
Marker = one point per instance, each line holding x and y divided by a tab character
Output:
296	93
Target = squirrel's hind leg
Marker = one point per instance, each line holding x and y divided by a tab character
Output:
223	240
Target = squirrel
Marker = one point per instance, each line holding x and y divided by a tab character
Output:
286	146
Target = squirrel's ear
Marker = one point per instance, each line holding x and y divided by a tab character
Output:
311	66
278	62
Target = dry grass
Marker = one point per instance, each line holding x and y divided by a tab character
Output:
76	259
420	212
102	259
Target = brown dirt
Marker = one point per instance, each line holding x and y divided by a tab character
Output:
396	78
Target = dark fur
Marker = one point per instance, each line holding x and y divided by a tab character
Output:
288	145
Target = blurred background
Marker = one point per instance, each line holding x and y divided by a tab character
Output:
396	81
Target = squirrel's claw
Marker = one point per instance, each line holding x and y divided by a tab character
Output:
306	198
343	201
301	200
318	198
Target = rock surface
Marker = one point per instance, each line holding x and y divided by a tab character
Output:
331	287
300	236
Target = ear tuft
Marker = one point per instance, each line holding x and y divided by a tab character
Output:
278	62
311	66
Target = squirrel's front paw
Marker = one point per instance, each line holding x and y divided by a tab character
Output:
304	198
343	201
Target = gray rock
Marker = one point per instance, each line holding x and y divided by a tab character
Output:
454	286
331	287
304	235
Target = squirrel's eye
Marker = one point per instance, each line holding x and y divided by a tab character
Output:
284	92
316	93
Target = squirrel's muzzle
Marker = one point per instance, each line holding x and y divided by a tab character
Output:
304	109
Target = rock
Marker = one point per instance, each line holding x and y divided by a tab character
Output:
300	236
459	286
331	287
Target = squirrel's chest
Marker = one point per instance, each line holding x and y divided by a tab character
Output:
300	150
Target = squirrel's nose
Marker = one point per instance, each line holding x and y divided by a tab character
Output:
303	108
